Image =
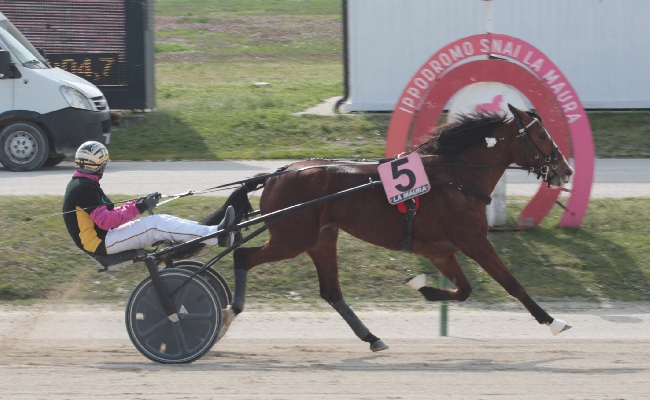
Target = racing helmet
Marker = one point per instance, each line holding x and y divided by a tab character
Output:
91	158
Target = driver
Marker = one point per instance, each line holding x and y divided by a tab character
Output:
99	227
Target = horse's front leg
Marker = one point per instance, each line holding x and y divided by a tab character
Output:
325	260
483	253
448	266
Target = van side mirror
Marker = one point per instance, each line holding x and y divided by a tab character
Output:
6	66
42	52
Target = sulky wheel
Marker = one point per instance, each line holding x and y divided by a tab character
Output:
199	313
216	280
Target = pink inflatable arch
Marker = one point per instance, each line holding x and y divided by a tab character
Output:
520	65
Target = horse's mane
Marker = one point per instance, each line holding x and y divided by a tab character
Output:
463	132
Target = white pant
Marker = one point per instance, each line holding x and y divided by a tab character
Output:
145	231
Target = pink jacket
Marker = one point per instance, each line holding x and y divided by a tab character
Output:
108	219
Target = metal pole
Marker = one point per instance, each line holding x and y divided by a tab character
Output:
489	16
444	306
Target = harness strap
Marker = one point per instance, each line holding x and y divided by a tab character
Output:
258	181
467	190
543	169
529	169
453	168
406	245
479	195
401	207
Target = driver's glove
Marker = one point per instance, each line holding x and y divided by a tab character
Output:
148	202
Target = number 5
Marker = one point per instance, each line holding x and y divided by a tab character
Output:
397	173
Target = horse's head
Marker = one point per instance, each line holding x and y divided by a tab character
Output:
537	150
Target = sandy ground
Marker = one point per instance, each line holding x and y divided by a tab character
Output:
76	351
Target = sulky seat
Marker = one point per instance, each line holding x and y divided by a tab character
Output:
112	262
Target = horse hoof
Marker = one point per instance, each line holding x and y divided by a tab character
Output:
558	326
379	345
228	315
417	282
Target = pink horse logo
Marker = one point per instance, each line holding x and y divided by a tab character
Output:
493	106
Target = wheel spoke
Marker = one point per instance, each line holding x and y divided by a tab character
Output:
181	295
158	326
154	303
197	317
180	338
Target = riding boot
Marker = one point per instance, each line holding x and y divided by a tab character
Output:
227	221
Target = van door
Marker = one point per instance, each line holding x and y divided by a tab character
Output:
6	94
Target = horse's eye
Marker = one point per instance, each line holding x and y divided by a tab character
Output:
543	136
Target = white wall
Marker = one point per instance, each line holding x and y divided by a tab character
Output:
602	46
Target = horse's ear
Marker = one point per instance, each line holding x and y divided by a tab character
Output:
515	112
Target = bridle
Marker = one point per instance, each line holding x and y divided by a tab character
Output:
526	141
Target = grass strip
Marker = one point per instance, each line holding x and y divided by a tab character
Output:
608	258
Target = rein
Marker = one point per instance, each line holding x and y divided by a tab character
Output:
543	169
254	182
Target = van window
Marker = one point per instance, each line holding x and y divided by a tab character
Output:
21	52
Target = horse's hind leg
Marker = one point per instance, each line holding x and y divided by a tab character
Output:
324	257
484	254
282	245
448	266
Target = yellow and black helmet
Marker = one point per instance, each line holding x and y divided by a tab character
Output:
91	158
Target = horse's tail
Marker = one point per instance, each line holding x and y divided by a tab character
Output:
239	200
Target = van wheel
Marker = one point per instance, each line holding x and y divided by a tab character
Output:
23	146
52	161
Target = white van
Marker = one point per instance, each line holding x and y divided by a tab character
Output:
45	112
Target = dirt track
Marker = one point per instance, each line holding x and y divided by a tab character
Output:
80	352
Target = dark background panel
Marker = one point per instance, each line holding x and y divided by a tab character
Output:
107	42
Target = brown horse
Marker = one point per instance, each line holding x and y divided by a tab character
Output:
449	220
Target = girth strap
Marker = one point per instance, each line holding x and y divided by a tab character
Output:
467	190
406	245
479	195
